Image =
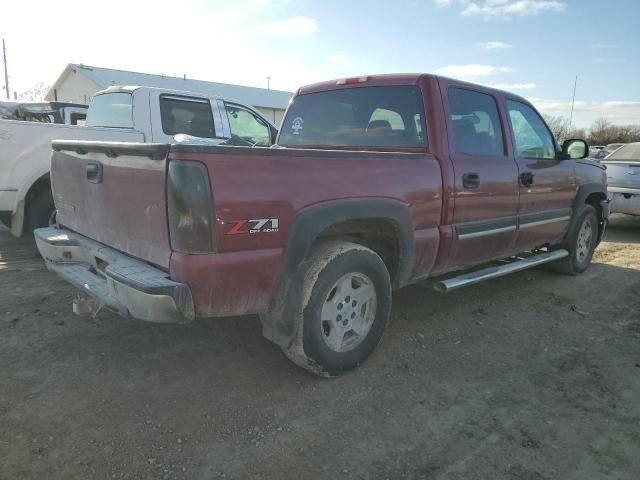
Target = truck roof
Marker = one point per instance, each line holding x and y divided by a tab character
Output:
393	79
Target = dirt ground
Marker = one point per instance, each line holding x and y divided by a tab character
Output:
529	377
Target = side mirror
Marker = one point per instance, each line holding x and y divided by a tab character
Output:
574	149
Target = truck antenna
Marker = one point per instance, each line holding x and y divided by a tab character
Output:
575	84
6	72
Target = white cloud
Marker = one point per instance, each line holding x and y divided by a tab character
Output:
470	71
619	111
513	87
504	8
494	45
339	59
298	25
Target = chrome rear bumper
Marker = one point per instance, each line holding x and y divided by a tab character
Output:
128	286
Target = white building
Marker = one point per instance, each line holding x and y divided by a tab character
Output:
78	83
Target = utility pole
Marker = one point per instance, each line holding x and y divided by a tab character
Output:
6	72
268	83
573	101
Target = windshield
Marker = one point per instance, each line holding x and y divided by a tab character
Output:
356	117
626	152
113	110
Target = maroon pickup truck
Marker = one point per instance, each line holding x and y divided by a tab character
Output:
375	183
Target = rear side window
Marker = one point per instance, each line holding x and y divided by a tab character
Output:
390	116
533	139
476	124
113	110
191	116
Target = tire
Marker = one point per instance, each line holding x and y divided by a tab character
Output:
37	212
346	305
581	242
5	219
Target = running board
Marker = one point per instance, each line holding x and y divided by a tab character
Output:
498	270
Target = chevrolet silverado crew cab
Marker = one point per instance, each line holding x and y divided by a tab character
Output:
375	183
137	114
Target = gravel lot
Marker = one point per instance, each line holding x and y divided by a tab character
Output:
530	377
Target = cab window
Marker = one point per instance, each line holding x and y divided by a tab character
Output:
188	115
476	124
533	139
248	126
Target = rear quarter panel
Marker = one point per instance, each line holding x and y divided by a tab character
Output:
280	184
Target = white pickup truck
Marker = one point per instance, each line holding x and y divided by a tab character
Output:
128	114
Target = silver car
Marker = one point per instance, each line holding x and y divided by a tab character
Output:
623	175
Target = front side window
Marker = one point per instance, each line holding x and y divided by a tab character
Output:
191	116
476	124
114	110
248	126
361	117
533	139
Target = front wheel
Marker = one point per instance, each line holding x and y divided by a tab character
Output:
346	304
581	242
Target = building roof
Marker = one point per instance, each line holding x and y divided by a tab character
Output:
107	77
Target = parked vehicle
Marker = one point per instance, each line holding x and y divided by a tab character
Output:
612	147
377	182
136	114
44	112
623	175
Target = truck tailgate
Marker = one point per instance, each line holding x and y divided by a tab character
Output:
114	193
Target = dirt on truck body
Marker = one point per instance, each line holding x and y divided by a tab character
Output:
376	183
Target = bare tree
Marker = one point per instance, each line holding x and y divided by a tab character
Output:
603	132
559	126
36	93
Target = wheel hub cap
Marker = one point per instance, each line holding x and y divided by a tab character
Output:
585	239
348	312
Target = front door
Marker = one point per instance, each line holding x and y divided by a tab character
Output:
486	179
547	184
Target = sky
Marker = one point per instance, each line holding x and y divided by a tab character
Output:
531	47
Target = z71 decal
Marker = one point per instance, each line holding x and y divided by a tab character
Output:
257	225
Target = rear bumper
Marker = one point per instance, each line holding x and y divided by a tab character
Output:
625	200
129	287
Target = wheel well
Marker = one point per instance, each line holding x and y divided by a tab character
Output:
40	185
594	200
380	235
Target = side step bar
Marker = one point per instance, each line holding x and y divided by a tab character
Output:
498	270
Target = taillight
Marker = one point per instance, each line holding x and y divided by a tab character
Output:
190	210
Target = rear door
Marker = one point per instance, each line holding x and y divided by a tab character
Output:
115	195
547	184
485	191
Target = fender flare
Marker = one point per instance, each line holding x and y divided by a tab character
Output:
279	324
581	197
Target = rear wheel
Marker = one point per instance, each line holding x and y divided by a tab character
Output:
37	212
345	308
581	242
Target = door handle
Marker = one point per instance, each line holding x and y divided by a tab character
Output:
471	180
94	172
526	179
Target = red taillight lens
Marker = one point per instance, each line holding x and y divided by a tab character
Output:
352	80
190	209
